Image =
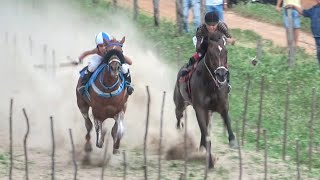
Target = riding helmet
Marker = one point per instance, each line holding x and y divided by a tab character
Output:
211	18
100	36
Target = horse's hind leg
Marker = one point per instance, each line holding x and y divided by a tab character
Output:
117	132
180	106
226	119
84	109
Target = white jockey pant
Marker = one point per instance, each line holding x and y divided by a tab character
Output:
95	61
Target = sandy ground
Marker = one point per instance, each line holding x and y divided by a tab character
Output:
267	31
64	29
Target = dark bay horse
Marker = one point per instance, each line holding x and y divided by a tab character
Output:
107	97
206	90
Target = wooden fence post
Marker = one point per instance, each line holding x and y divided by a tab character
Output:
179	14
25	144
135	9
156	12
161	133
260	112
245	109
285	127
146	136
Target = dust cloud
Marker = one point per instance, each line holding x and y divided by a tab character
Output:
67	31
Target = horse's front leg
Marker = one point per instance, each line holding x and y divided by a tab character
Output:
117	131
203	121
100	132
227	122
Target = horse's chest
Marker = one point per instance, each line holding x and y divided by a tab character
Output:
212	101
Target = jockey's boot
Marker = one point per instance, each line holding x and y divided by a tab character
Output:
127	77
192	60
84	81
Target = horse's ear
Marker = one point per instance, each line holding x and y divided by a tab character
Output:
123	40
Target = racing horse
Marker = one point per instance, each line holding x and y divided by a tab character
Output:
106	95
206	89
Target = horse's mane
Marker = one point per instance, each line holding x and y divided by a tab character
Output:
113	52
216	36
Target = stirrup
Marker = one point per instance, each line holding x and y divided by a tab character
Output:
130	90
184	71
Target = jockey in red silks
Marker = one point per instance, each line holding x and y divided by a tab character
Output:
211	24
96	58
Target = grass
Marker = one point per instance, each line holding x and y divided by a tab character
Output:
266	13
304	75
4	159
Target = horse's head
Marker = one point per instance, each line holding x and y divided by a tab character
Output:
114	56
216	57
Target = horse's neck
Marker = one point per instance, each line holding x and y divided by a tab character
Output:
206	78
107	79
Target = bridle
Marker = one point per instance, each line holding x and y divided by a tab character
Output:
221	66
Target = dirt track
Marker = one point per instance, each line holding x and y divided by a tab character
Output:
67	30
267	31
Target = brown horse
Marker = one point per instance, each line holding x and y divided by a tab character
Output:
107	97
206	90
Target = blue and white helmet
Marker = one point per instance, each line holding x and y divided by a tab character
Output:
100	36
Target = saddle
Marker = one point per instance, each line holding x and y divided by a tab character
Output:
185	80
90	83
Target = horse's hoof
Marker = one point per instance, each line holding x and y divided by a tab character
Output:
116	151
99	145
88	147
233	144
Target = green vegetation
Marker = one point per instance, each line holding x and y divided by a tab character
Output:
4	159
304	75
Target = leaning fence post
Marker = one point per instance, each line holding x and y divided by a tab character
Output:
179	14
53	63
260	113
246	97
284	146
161	133
313	107
25	144
259	50
135	9
115	3
156	12
73	155
146	136
30	45
45	47
53	148
10	135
